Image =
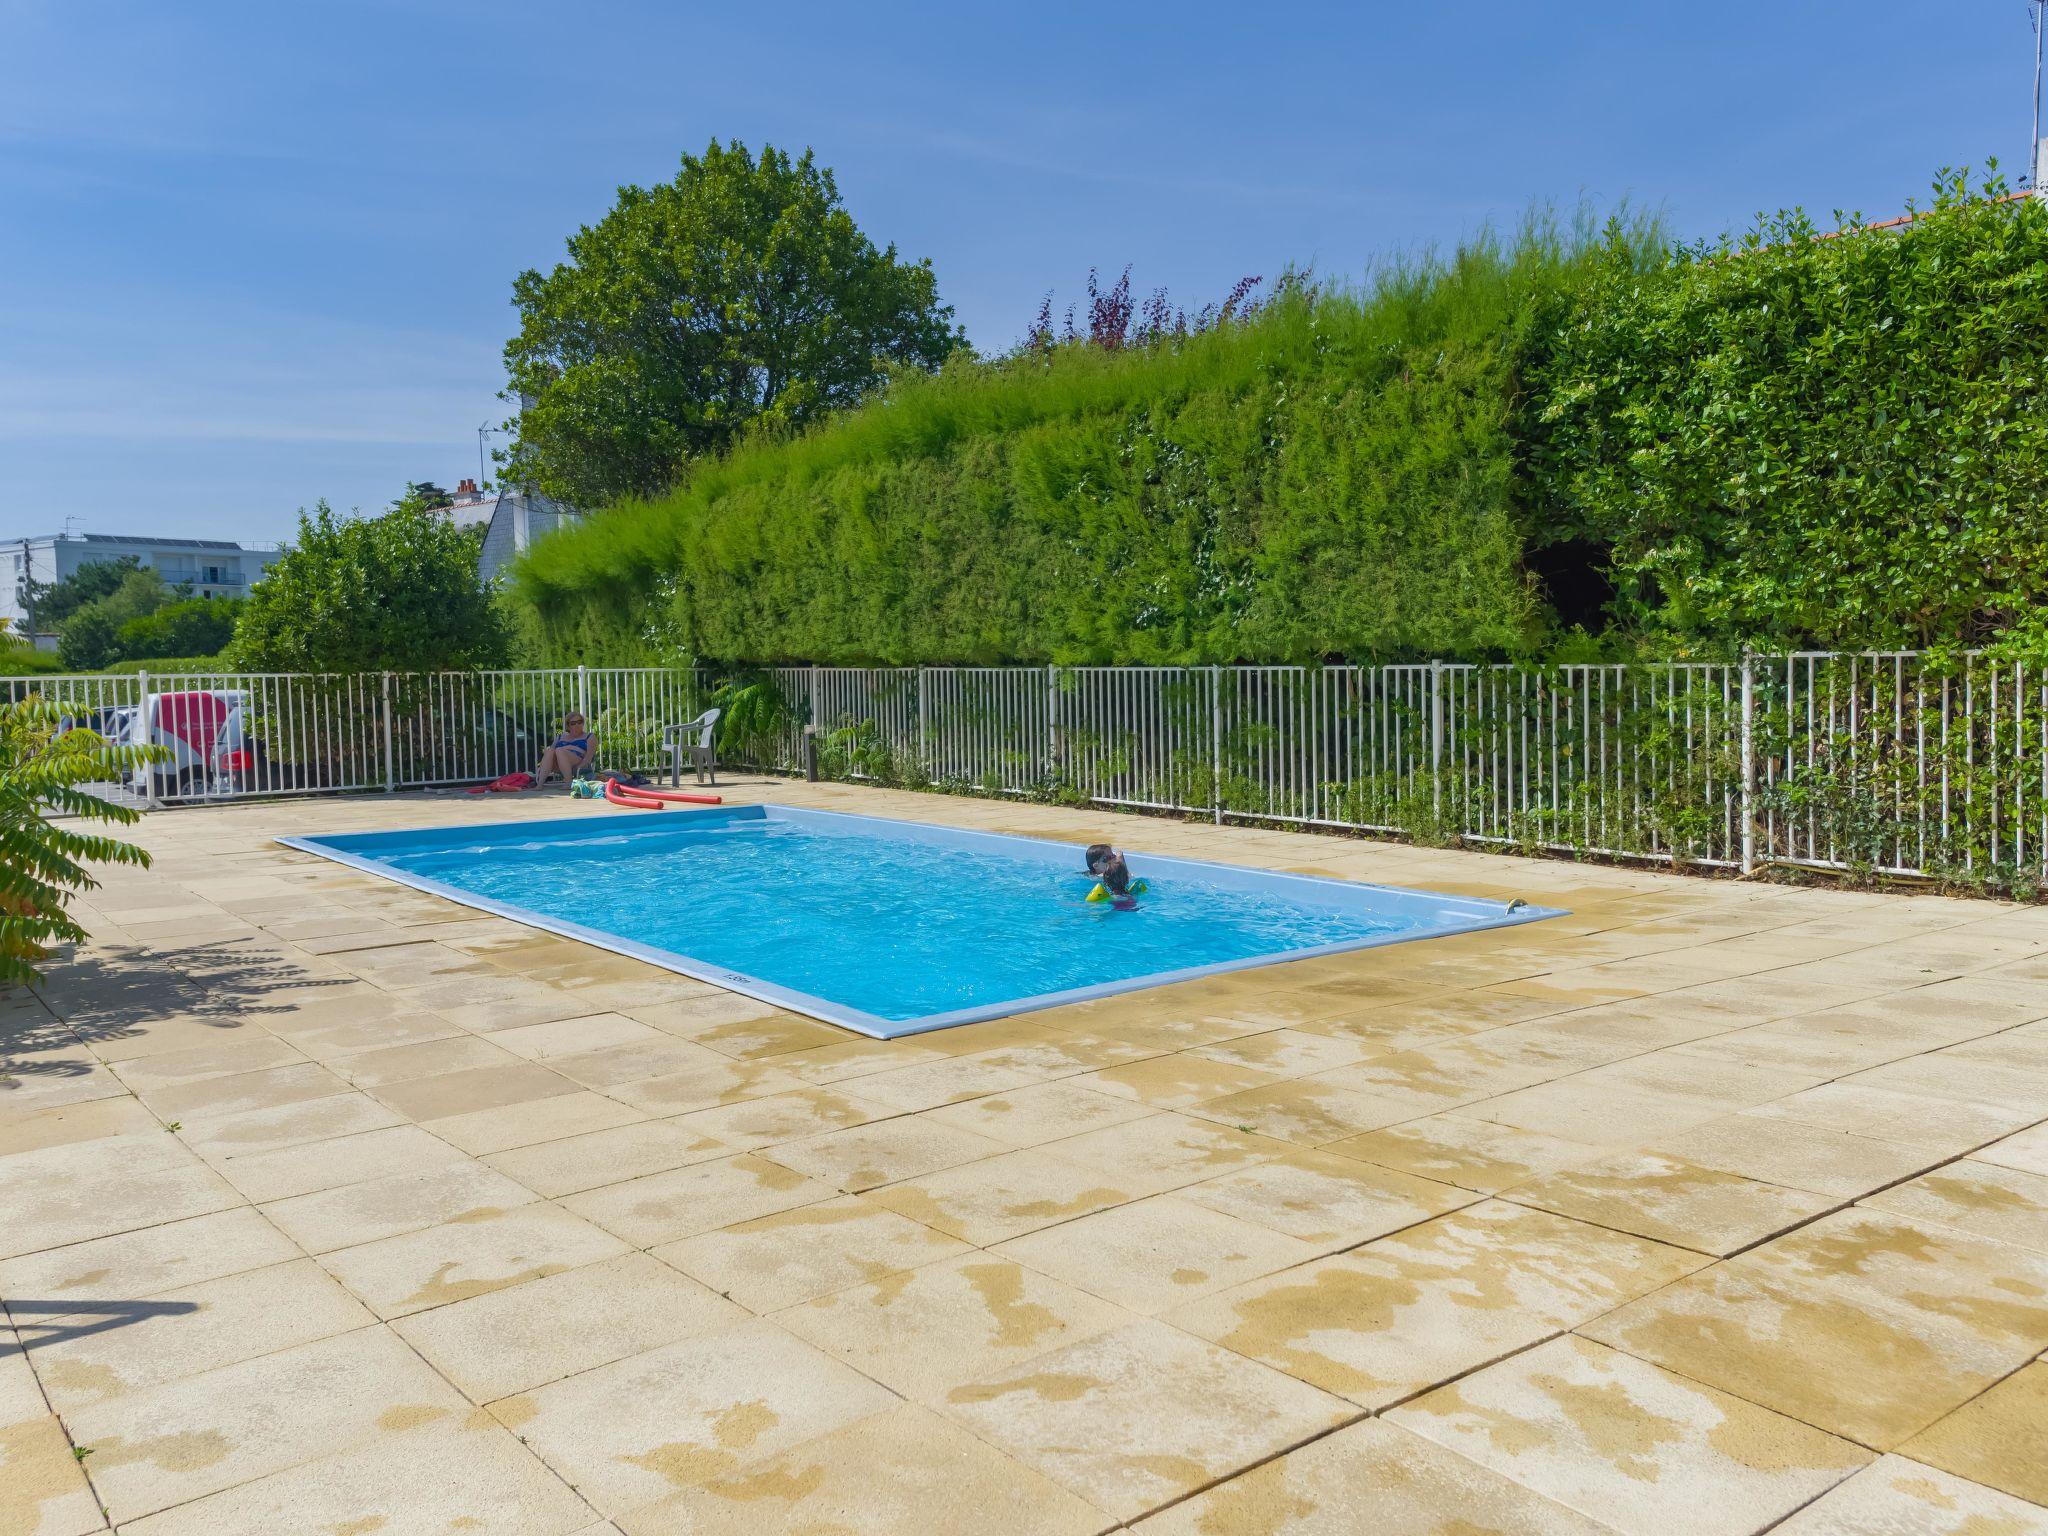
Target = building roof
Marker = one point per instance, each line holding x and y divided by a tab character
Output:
143	538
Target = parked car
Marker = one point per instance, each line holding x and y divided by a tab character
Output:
206	734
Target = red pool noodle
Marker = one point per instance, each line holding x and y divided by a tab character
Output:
617	796
677	794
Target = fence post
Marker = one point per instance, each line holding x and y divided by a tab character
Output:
924	762
1216	743
390	776
583	693
1748	762
817	703
141	728
1436	739
1052	724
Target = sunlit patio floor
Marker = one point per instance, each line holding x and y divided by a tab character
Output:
329	1207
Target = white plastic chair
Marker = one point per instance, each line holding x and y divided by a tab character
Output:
696	738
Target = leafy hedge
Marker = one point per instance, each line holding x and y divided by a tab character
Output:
1803	439
1791	439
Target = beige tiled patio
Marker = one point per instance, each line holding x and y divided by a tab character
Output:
327	1206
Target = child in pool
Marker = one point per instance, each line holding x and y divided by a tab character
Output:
1113	876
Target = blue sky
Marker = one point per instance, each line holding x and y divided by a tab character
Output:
256	254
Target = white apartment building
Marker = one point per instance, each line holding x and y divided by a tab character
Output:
211	567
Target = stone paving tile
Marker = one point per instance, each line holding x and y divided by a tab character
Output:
65	1124
220	1138
887	1151
1636	1448
196	1436
776	1261
1787	1153
1874	1357
401	1202
571	1164
684	1201
1326	1200
1043	1112
81	1190
1896	1497
438	1265
99	1352
1375	1478
688	1413
1167	1151
1999	1439
780	1117
1152	1255
1285	1052
1309	1111
243	1051
241	1091
2000	1291
1980	1197
657	1055
43	1485
323	1165
1950	1126
149	1260
1176	1081
426	1058
1385	1321
432	1478
927	1085
556	1038
465	1092
925	1331
1672	1201
707	1084
1003	1197
2026	1150
1470	1154
483	1131
514	1340
1132	1418
941	1481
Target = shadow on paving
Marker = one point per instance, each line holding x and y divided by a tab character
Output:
122	989
76	1319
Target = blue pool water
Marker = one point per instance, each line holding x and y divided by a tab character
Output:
890	927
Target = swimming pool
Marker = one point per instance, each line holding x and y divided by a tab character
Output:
890	927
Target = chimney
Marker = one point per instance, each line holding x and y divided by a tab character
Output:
466	488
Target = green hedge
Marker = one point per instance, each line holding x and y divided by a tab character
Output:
1790	440
1795	440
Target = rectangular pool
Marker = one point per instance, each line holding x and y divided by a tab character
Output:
891	927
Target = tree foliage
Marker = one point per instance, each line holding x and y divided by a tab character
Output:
90	636
399	592
741	291
42	861
50	603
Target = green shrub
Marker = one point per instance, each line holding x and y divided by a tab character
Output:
193	626
1801	440
1783	440
1335	475
42	863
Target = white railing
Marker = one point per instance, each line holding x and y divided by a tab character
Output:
1891	761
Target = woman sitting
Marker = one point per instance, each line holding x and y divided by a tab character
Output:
569	751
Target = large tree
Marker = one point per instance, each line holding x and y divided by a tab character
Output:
739	291
398	592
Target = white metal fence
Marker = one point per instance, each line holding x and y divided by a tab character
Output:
1896	762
